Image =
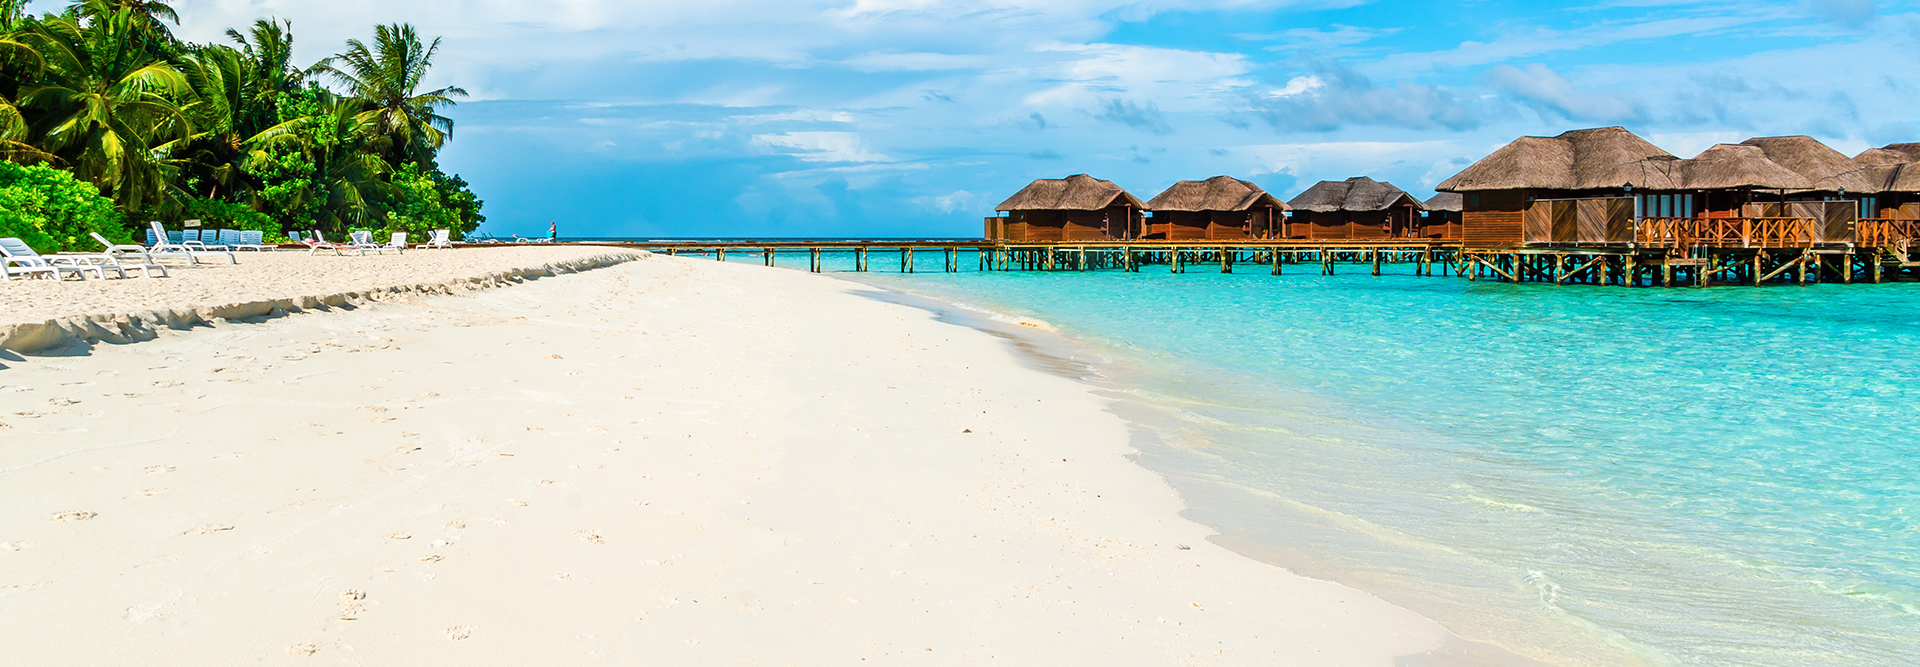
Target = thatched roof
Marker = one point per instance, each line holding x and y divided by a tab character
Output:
1447	201
1893	168
1728	166
1827	168
1078	192
1599	158
1912	151
1220	193
1882	157
1354	194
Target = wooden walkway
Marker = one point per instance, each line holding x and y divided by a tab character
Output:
1699	266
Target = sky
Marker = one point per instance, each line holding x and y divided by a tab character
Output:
914	118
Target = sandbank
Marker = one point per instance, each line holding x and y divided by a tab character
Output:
664	461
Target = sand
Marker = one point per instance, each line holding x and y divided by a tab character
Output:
38	315
664	461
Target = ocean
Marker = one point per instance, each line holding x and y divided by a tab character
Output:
1583	475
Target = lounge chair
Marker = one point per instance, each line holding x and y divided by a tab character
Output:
201	244
123	257
245	239
319	242
168	245
442	238
17	253
398	243
363	240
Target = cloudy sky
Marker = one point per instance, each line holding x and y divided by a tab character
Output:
893	118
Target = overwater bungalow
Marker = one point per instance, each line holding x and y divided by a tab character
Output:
1358	208
1512	196
1219	208
1443	216
1608	186
1075	208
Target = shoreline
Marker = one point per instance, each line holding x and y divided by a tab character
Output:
113	322
844	477
1042	347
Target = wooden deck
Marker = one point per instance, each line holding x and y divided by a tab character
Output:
1776	259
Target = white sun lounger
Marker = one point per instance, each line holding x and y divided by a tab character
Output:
165	247
398	243
319	242
364	241
442	238
17	253
127	256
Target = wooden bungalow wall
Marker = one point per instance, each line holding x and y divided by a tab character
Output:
1493	219
1211	225
1442	225
1570	221
1069	225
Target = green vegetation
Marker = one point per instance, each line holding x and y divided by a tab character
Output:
107	120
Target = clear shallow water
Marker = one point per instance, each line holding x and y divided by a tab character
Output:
1583	475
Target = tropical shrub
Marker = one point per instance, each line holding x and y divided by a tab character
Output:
416	206
53	211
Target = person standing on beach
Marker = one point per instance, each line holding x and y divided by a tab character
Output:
553	231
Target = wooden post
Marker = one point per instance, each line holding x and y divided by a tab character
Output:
1803	270
1276	261
720	254
768	252
1083	259
1126	259
1226	261
1666	272
1376	261
1846	272
860	260
813	260
1876	268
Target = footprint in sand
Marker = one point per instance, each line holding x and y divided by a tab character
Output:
155	470
432	558
74	516
213	528
149	493
303	649
459	633
13	546
456	524
590	537
403	535
61	402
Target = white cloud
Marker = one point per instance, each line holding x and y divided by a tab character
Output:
822	146
1548	91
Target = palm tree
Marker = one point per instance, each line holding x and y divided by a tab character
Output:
344	175
150	16
104	102
17	58
386	79
268	50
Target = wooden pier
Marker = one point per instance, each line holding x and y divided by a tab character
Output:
1670	265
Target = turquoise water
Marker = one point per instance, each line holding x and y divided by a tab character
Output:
1583	475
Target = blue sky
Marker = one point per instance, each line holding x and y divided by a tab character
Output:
894	118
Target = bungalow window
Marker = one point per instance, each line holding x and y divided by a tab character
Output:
1665	206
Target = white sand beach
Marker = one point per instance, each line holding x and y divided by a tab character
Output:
663	461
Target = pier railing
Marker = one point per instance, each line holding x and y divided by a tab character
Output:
1884	232
1753	232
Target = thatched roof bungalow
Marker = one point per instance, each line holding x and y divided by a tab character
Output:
1356	208
1600	165
1589	186
1075	208
1219	208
